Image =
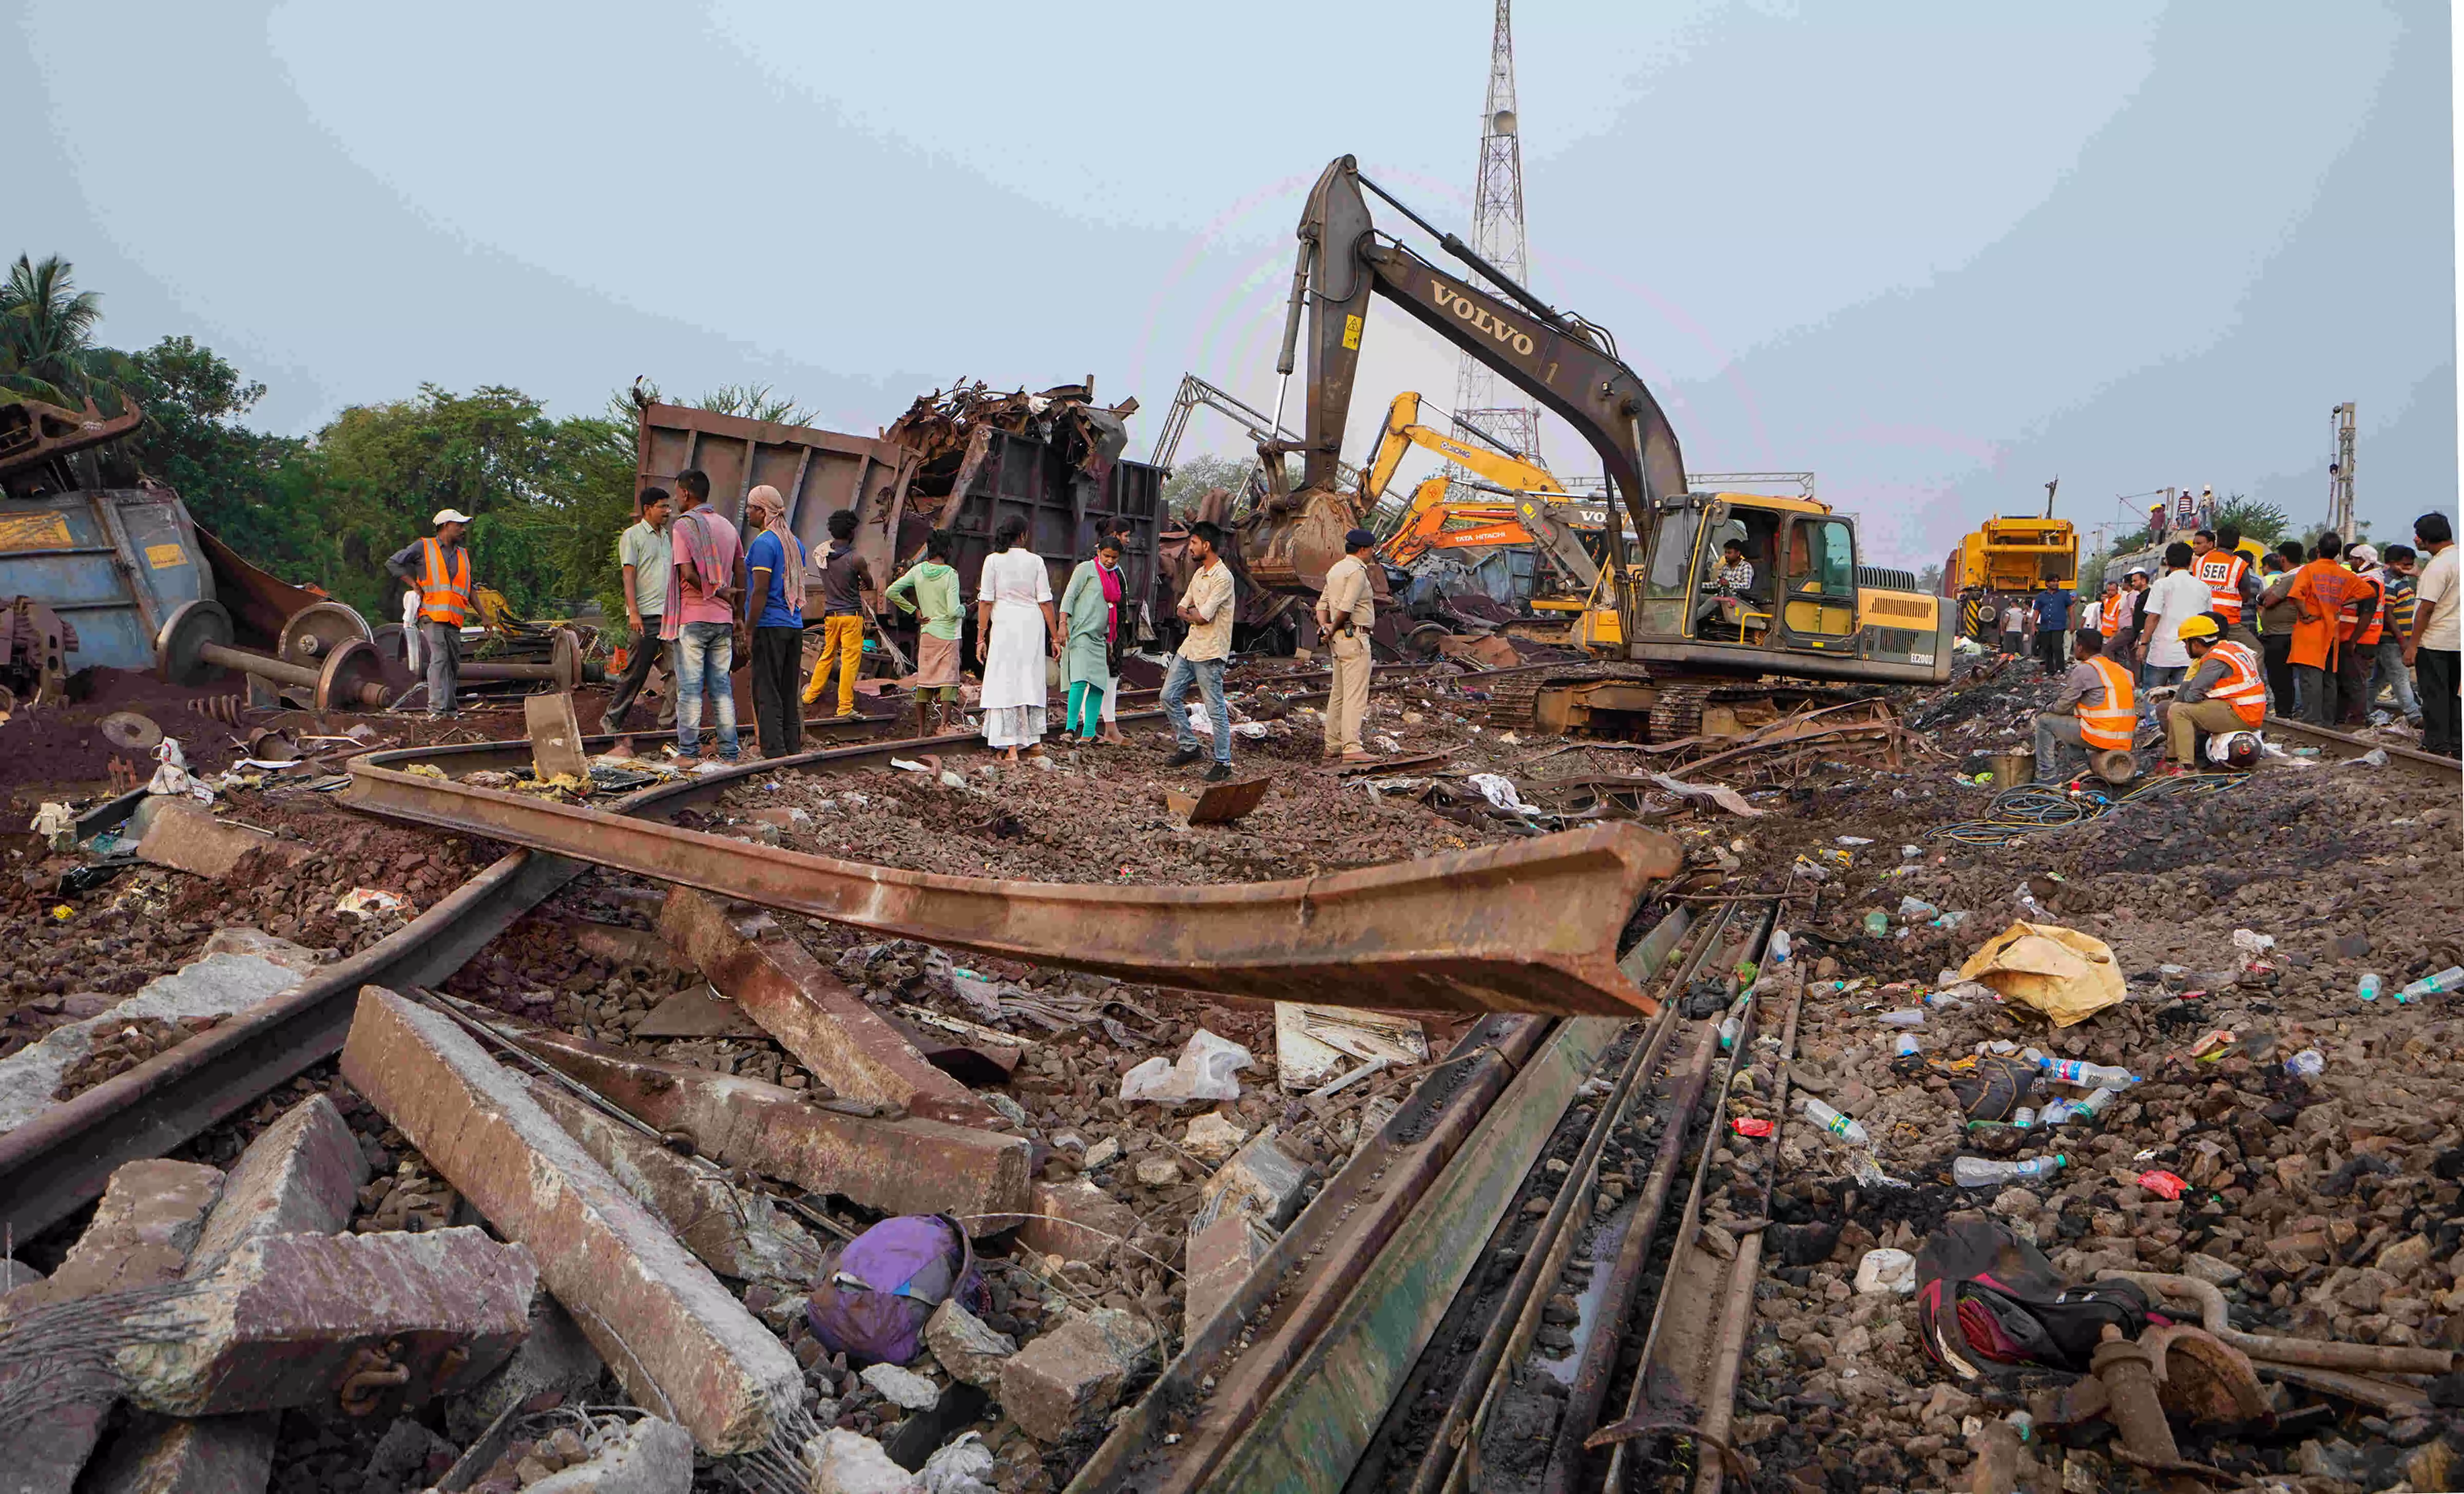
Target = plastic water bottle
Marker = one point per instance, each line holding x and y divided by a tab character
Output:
2371	985
1977	1172
2078	1072
1913	1017
2096	1105
2058	1110
1730	1027
2024	1116
1905	1046
1841	1126
1780	947
2446	979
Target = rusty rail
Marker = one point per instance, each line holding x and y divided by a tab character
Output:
2344	747
1530	926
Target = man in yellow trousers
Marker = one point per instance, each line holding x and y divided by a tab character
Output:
845	579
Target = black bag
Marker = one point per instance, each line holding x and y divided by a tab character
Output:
1986	1297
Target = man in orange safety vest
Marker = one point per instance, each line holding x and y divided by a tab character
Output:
437	570
2095	710
2226	691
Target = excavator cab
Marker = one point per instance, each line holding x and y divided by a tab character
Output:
1801	602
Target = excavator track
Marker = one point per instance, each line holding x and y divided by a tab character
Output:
1511	697
1677	712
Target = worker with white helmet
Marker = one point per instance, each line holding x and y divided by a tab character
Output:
437	570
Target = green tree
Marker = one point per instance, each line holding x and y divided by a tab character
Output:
2264	522
260	493
46	336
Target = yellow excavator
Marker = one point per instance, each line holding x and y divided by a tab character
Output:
1685	641
1528	504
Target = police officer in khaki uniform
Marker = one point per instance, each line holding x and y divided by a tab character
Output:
1345	614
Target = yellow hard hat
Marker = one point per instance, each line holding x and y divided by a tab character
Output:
2200	626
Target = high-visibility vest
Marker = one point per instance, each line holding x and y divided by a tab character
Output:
2223	570
443	597
2111	726
2115	606
2242	687
2348	616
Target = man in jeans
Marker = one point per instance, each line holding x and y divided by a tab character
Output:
2394	573
700	616
2435	642
642	552
2053	630
1206	606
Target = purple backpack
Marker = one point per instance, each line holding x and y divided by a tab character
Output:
872	1301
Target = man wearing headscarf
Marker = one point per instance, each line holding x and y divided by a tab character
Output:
774	611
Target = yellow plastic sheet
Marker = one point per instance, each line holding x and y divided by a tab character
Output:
2060	972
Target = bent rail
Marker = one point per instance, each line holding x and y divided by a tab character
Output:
1528	927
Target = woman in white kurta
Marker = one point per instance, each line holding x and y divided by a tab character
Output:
1015	634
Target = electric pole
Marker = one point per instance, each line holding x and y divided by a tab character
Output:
1481	411
2340	475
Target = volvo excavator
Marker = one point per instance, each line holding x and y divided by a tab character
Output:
1812	614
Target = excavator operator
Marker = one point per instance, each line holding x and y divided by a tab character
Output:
1726	589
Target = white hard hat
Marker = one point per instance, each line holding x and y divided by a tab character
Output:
450	516
2139	570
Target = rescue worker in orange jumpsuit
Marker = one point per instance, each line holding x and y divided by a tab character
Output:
438	570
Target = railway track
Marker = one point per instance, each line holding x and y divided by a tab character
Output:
2342	747
61	1160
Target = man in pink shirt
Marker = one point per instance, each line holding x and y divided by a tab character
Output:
701	615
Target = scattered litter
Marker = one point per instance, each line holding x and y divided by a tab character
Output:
56	824
1727	798
881	1289
1203	1072
964	1466
1917	907
2165	1185
1887	1270
172	777
368	901
1312	1041
2308	1063
1753	1126
2252	944
1500	792
2060	972
1852	840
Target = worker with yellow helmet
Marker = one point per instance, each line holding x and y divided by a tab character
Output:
2224	692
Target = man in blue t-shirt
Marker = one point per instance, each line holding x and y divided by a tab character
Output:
2053	630
773	612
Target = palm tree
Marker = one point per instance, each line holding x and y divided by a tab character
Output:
46	335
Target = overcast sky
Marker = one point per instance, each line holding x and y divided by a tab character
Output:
1936	253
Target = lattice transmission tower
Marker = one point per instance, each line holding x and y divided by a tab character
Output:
1497	237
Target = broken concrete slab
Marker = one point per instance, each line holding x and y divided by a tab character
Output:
155	1454
301	1176
148	1219
187	836
967	1347
371	1322
1219	1259
144	1229
242	940
810	1011
1261	1178
912	1166
679	1342
850	1463
556	736
1076	1372
218	985
733	1232
650	1456
1074	1220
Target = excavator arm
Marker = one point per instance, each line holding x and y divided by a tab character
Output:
1563	363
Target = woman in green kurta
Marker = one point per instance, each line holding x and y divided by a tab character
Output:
1091	613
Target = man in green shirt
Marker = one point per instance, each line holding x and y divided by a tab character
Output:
931	589
642	554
